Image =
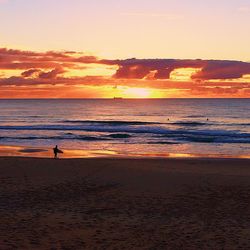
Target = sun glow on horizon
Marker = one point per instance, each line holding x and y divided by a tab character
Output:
30	74
140	93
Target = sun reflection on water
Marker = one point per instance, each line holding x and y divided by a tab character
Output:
19	151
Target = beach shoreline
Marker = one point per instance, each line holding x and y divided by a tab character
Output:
115	203
44	152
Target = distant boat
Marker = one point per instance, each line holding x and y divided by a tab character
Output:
118	98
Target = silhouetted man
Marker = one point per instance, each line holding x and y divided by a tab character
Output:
56	151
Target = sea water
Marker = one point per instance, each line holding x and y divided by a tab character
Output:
128	126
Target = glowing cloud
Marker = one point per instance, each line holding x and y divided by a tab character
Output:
63	73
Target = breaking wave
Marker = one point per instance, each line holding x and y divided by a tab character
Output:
130	130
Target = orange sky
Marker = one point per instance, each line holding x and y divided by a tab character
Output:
68	74
79	49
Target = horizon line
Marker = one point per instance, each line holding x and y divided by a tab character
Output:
111	98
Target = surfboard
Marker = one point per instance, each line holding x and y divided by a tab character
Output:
59	151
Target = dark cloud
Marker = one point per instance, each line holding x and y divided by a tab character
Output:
30	72
141	68
43	69
154	69
49	86
216	91
21	81
222	70
162	68
18	59
51	74
52	78
30	65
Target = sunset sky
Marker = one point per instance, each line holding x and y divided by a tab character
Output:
125	48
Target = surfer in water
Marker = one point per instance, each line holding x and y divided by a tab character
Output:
56	151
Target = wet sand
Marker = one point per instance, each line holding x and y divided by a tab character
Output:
124	203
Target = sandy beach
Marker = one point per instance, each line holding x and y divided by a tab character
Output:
124	203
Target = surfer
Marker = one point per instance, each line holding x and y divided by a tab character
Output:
56	151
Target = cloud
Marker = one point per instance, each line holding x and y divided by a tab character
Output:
158	68
42	69
154	69
51	74
51	78
162	68
69	87
30	72
18	59
222	70
216	91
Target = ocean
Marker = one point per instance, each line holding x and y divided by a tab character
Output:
130	127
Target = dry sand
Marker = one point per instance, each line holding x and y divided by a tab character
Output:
124	203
